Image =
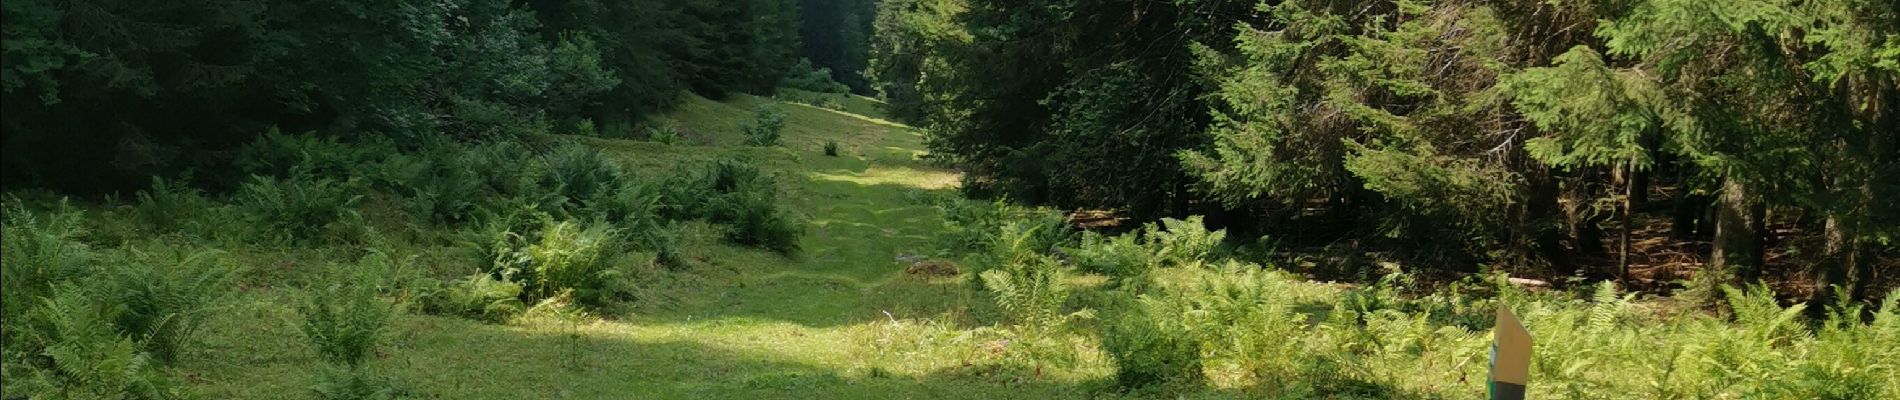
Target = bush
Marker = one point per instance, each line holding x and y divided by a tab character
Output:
163	300
831	148
299	209
580	177
666	133
804	76
435	184
572	257
1119	256
1184	242
736	194
354	383
36	252
170	206
753	218
343	321
69	349
766	125
277	154
1031	291
1151	348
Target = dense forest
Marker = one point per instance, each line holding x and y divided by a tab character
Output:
978	199
1539	137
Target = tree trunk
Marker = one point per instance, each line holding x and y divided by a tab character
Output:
1738	246
1623	251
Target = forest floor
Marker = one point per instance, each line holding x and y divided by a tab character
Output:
840	319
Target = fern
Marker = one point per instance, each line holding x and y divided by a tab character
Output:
1032	291
80	355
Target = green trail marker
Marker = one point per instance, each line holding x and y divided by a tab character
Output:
1510	357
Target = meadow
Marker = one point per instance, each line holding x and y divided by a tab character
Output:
697	258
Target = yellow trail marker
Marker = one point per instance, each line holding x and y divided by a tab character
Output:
1510	357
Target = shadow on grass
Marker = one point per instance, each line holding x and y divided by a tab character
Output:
464	360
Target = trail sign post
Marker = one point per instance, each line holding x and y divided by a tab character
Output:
1510	357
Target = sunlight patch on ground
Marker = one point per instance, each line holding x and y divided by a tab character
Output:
902	176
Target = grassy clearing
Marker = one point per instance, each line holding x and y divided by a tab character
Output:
1161	315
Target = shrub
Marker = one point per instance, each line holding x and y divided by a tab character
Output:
736	194
300	208
586	128
805	76
1151	348
579	175
277	154
1120	256
434	185
570	256
665	133
343	321
501	167
766	125
1031	291
480	296
170	206
354	383
69	349
754	219
831	148
36	252
163	300
1184	242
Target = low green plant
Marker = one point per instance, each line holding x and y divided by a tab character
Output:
355	383
170	206
68	348
831	148
278	154
767	124
479	296
1150	348
1119	256
753	218
665	133
1031	291
579	175
301	208
1184	242
38	251
343	321
435	183
163	299
569	256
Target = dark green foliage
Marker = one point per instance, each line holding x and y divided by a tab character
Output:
579	176
355	383
343	321
767	124
834	35
125	90
1120	256
76	353
1151	349
163	299
436	183
736	194
569	258
301	208
804	77
37	250
831	148
170	206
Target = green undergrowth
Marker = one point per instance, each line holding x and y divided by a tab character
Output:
704	267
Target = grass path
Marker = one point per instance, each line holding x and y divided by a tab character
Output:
838	320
